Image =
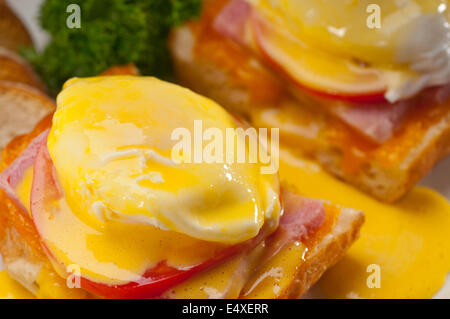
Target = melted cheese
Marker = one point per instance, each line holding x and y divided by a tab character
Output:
408	240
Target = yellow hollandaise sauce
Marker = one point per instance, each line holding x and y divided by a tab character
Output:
11	289
124	136
403	248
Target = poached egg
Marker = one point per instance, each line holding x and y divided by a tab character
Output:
407	41
111	144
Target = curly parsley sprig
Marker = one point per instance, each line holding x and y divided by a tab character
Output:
112	32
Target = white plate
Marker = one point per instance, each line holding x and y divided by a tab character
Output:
438	179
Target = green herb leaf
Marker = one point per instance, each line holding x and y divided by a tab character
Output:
112	32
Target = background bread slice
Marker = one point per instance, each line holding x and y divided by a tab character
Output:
390	171
15	69
21	108
287	275
13	33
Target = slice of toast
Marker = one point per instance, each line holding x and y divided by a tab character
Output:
214	66
21	108
15	69
26	261
13	33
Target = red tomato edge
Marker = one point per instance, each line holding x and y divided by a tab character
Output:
369	98
155	281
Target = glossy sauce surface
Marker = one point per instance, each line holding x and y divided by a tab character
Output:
123	135
408	240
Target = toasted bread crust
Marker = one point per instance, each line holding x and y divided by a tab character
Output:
21	108
24	257
13	33
385	171
15	69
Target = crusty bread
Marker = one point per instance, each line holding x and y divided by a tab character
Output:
15	69
13	33
21	108
26	261
385	171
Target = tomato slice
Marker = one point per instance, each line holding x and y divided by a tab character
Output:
155	280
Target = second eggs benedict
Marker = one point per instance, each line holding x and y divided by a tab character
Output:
362	87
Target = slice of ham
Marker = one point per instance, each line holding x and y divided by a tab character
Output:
13	174
233	19
378	122
302	216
